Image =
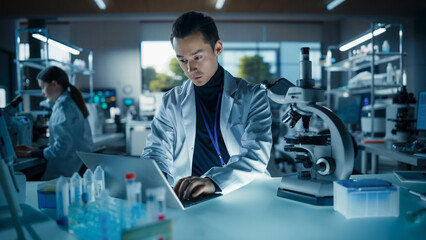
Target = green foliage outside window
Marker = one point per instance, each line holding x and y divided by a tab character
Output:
254	69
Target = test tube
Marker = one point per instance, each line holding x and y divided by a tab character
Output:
89	185
62	201
75	189
99	181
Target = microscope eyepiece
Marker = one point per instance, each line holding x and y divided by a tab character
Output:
304	54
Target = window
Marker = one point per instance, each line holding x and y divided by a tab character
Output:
252	61
160	68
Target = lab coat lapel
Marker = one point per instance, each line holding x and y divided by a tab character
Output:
229	89
189	118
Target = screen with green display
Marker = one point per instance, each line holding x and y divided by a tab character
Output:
106	98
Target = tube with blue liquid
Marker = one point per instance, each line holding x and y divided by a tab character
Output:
62	201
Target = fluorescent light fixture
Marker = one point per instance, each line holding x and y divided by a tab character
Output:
57	44
334	3
101	4
361	39
219	4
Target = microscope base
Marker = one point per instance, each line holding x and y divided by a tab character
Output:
305	198
311	191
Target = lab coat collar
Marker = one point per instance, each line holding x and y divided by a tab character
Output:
61	99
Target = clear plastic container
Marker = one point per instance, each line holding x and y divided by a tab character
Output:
366	198
99	181
62	200
75	189
89	185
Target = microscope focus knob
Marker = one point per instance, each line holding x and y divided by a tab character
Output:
325	166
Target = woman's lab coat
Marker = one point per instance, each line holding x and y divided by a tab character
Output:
69	132
245	122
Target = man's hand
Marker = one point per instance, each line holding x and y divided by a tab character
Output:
193	187
23	151
24	148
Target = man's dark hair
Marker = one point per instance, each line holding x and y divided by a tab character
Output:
191	22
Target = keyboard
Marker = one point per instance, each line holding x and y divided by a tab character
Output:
202	198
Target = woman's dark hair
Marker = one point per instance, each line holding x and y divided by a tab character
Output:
191	22
60	76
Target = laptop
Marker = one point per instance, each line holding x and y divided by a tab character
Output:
147	172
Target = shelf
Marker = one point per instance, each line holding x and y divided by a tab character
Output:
363	61
31	92
42	64
380	90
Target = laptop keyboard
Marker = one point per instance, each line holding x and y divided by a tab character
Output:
199	199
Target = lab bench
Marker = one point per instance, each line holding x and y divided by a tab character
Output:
372	151
255	212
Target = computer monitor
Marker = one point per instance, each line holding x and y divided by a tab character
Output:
421	112
128	101
104	97
349	109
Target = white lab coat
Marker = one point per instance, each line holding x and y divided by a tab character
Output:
69	132
245	122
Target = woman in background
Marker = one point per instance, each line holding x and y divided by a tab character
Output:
68	126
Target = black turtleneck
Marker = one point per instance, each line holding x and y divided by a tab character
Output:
205	155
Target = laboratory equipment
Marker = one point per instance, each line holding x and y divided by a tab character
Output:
89	185
133	188
379	120
400	117
325	157
76	189
99	181
366	198
133	208
46	194
8	183
19	126
156	204
62	201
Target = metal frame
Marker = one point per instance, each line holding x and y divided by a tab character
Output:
44	61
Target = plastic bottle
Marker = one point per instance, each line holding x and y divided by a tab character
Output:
89	185
389	74
156	204
99	181
385	47
76	189
133	188
133	213
62	201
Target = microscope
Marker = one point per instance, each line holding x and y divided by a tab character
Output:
325	157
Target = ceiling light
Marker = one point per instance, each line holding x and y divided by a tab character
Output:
361	39
57	44
101	4
219	4
334	3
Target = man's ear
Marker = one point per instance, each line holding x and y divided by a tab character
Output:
218	47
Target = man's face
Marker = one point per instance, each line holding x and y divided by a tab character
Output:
196	57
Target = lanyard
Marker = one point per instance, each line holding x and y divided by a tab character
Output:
214	140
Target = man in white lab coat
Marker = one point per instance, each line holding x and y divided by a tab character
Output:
213	133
